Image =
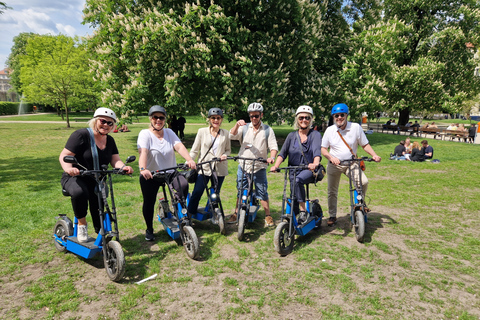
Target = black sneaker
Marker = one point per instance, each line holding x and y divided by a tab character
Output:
149	235
331	221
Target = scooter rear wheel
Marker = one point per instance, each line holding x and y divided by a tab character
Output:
62	230
283	244
190	242
114	261
241	224
221	221
359	225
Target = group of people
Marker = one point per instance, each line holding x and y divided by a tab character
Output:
406	150
157	146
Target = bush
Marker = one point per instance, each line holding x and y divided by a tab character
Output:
12	107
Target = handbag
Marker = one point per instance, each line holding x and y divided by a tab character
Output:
362	163
319	173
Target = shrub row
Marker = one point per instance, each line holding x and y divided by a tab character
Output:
12	107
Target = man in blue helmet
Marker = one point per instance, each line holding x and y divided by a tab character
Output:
354	136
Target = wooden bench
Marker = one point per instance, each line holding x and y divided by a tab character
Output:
410	130
81	119
389	127
452	134
435	131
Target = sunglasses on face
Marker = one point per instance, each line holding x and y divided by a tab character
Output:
161	118
339	115
254	116
216	118
103	121
304	118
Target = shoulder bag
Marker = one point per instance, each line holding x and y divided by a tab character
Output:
362	163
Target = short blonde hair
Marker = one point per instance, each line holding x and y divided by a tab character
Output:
295	124
91	123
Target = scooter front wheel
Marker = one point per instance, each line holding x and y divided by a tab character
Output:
114	261
190	242
282	241
221	221
62	230
241	224
359	225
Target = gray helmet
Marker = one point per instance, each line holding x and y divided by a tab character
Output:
157	108
255	107
215	112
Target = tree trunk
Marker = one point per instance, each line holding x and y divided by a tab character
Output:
66	112
404	117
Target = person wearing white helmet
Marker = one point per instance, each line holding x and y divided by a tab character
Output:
82	188
302	147
334	149
256	138
156	147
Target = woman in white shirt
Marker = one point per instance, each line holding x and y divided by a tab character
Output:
156	146
211	142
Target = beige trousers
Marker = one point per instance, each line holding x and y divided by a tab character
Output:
333	178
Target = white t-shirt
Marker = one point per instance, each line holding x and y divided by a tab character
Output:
161	153
353	135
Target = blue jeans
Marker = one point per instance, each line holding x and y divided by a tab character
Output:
259	179
199	189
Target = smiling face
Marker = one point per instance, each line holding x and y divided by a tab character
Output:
157	120
104	124
215	121
340	119
255	117
304	120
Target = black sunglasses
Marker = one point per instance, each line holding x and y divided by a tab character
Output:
103	121
216	118
161	118
304	118
255	116
339	115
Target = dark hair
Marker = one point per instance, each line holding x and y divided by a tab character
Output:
424	142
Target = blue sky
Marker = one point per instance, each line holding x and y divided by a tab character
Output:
42	17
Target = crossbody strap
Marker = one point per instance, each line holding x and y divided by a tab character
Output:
301	147
213	142
349	148
93	146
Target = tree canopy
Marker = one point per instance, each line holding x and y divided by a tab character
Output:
223	54
55	71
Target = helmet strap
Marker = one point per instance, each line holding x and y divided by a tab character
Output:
155	129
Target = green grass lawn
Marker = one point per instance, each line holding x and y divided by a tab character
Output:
420	259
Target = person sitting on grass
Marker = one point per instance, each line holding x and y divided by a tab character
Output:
399	152
417	153
427	150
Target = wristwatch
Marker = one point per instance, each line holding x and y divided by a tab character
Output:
142	168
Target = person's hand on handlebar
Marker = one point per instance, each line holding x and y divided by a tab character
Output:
376	158
73	171
334	161
127	170
191	164
273	168
223	157
312	166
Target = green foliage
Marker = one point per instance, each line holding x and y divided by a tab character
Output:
54	70
14	59
7	107
195	56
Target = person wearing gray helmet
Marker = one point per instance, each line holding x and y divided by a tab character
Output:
156	146
210	142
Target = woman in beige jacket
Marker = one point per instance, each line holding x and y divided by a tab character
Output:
211	142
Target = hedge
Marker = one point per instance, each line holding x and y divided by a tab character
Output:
12	107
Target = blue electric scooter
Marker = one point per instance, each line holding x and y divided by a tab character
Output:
175	219
293	224
65	232
358	214
213	209
248	203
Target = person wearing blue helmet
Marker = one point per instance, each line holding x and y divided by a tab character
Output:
335	150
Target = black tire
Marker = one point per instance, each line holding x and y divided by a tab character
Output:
283	245
190	242
221	220
241	224
63	230
114	261
359	225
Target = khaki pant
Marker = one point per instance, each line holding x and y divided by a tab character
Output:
333	177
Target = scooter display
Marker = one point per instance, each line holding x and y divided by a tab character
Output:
292	224
248	203
213	209
65	232
175	219
358	214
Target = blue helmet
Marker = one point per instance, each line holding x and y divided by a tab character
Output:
340	108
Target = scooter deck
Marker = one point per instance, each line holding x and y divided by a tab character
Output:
201	214
171	226
86	250
307	226
252	213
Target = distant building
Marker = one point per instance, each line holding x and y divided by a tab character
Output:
5	86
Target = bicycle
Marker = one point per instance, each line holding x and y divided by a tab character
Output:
176	222
213	209
284	237
358	214
65	232
248	203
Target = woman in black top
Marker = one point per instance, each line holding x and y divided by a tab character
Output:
82	188
418	153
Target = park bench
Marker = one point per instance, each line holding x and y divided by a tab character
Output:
389	127
435	131
81	119
452	134
408	130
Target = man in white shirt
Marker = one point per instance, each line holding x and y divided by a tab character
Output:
255	142
339	151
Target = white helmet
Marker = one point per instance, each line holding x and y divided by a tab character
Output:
105	112
255	107
304	109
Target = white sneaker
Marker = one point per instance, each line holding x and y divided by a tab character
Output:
82	233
